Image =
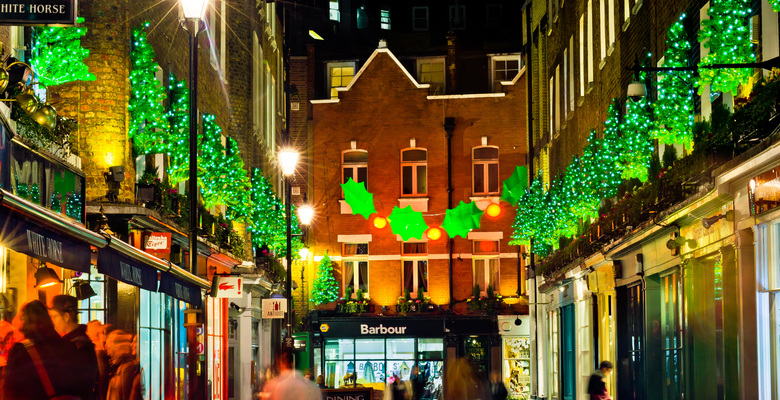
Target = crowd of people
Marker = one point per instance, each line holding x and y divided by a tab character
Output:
47	354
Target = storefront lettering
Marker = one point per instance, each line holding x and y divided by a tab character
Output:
18	8
181	292
45	247
130	274
346	397
382	330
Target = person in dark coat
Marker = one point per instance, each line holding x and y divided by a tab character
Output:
125	371
418	382
63	315
497	388
597	385
21	380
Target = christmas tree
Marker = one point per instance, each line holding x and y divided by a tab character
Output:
267	219
325	287
148	125
675	91
727	35
636	148
57	55
177	144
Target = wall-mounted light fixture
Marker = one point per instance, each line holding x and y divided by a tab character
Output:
83	289
45	277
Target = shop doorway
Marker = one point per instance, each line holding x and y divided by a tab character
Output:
476	349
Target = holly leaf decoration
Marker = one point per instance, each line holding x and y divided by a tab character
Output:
462	219
407	223
515	186
359	199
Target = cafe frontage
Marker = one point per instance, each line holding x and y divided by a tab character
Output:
362	355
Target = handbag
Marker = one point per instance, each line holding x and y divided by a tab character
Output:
43	375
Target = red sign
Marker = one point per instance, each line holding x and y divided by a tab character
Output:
158	242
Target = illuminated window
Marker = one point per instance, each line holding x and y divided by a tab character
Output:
354	164
582	55
603	28
590	41
355	260
340	74
504	68
485	170
333	6
431	71
485	263
414	174
384	19
415	267
153	331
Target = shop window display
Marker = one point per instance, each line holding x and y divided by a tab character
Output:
517	366
371	362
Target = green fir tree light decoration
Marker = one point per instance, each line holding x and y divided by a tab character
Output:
211	163
325	288
267	223
636	147
674	106
57	54
236	184
727	35
177	143
148	125
775	5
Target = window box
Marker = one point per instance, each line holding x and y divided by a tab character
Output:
345	307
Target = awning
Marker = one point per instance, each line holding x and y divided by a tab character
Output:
127	264
186	291
45	235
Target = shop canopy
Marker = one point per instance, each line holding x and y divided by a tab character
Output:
130	265
45	235
179	288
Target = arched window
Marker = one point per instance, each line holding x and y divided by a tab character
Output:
414	172
484	162
354	164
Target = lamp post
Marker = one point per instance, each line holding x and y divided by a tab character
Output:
288	159
193	11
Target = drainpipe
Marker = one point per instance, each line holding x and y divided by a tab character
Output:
449	127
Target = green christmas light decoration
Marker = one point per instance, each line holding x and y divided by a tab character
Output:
460	220
674	106
325	289
211	165
727	36
177	143
359	199
636	147
407	223
267	223
775	5
515	185
236	184
148	124
57	54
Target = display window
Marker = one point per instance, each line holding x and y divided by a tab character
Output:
153	329
517	366
372	362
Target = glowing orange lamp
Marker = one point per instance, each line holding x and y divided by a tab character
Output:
493	210
380	222
434	233
487	246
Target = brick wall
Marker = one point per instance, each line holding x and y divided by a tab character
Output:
382	112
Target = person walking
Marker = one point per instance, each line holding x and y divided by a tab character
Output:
497	388
63	316
597	385
417	382
41	366
125	372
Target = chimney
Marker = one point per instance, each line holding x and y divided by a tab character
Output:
452	56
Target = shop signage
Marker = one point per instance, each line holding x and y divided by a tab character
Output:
29	237
274	308
38	12
200	345
126	269
347	394
229	287
186	292
158	242
419	327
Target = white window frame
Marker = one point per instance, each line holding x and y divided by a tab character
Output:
432	60
582	55
354	166
356	260
486	173
493	69
590	44
557	98
338	64
458	10
333	10
415	258
414	165
415	26
487	258
611	23
572	88
565	84
384	19
551	92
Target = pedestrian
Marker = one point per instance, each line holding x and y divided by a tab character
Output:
597	386
63	316
290	385
321	382
41	366
417	383
497	388
124	371
9	336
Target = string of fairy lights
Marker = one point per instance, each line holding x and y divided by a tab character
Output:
57	54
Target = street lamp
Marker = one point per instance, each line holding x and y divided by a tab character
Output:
194	11
288	159
305	214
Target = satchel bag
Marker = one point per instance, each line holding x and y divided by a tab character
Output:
43	375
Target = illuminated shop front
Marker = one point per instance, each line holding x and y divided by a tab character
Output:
516	355
367	352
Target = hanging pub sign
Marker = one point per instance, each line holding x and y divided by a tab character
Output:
38	12
274	308
27	236
157	242
229	287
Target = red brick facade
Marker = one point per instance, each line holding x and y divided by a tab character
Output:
382	110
